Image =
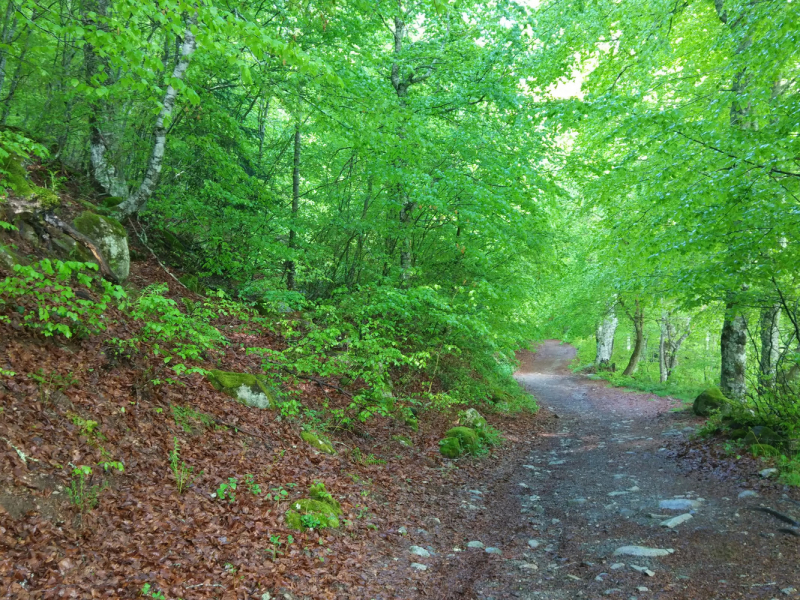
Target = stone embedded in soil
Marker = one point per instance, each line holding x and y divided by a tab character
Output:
533	543
642	551
768	472
402	531
616	566
577	501
529	566
556	462
419	567
748	494
493	551
419	551
644	570
475	544
678	504
618	493
675	521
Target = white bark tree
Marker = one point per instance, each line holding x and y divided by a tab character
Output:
670	343
733	350
103	171
605	340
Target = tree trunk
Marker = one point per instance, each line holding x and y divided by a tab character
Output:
770	345
669	345
291	268
136	201
605	341
638	346
733	348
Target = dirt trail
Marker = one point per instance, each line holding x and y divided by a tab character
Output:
589	486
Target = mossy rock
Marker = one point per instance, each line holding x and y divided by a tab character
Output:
709	401
450	447
764	450
246	388
47	199
403	440
474	420
411	422
111	202
763	435
325	513
317	442
9	258
468	438
111	237
317	491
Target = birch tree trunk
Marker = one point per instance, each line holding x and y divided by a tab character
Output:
135	202
605	341
733	350
770	345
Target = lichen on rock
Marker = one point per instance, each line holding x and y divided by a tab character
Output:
112	239
317	442
246	388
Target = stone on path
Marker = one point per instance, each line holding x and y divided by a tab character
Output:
678	504
768	472
675	521
475	544
529	566
419	551
493	551
419	567
642	551
533	543
644	570
748	494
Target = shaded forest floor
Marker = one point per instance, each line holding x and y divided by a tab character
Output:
77	403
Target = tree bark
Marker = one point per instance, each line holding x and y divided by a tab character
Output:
733	350
669	345
770	345
605	341
638	325
135	202
291	268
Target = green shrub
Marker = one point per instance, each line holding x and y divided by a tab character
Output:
43	295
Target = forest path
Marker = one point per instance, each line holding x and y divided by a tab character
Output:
588	488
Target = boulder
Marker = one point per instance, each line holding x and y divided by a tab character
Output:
468	438
761	434
112	239
709	401
473	419
317	442
246	388
450	447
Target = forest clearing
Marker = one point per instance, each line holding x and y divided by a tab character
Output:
394	300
